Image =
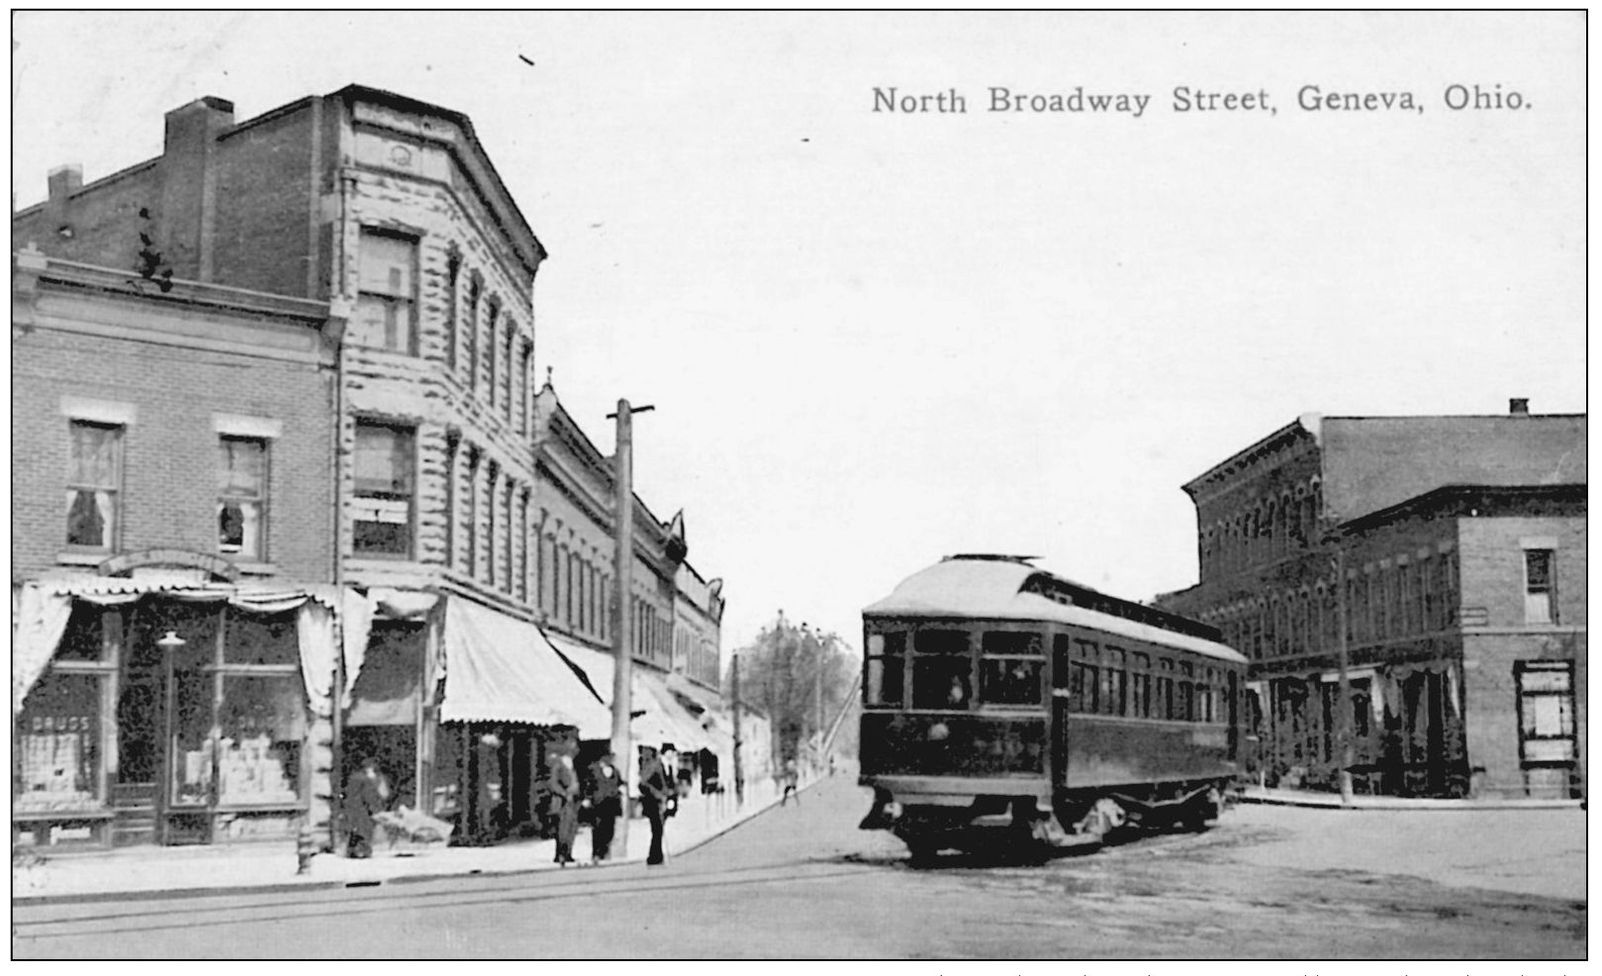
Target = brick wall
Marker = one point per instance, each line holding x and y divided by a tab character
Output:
102	219
169	489
264	236
1493	581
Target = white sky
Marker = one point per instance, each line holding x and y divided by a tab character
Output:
875	339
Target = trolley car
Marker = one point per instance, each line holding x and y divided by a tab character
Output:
997	696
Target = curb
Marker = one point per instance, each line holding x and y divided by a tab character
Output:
153	894
1461	806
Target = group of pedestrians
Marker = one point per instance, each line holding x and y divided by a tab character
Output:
601	793
604	799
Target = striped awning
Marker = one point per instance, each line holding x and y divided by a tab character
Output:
500	669
663	718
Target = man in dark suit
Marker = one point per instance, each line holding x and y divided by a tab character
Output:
606	804
564	786
655	792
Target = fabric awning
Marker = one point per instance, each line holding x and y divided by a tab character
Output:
500	669
664	720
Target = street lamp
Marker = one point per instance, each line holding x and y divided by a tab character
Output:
172	642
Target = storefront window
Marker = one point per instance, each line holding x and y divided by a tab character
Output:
191	737
58	737
260	733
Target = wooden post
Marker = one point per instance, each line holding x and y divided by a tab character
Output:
622	618
739	773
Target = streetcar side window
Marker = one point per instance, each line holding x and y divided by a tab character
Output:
1085	685
886	666
1187	692
1165	689
1204	696
1115	682
1140	685
942	670
1010	673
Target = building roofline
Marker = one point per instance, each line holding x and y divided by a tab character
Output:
354	92
1284	435
573	434
1444	496
183	291
120	174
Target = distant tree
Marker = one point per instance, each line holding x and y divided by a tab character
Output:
779	672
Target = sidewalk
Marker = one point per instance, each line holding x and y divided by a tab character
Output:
193	871
1312	798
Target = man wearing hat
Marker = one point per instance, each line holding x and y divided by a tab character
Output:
655	793
564	805
606	803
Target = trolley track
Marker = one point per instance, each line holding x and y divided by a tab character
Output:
160	914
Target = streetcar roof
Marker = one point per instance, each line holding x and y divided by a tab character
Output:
994	589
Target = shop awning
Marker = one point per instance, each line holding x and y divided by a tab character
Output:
500	669
664	720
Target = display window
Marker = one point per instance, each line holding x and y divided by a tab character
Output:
260	731
58	744
191	738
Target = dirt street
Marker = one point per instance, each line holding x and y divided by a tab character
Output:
802	882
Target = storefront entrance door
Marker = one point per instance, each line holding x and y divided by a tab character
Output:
136	792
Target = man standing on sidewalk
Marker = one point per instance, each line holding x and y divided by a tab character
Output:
606	804
564	804
655	793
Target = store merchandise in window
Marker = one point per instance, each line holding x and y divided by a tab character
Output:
57	767
258	751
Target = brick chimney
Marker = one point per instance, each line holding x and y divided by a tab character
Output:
189	184
1518	407
65	181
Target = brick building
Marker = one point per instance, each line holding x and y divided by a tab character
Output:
171	477
1462	545
447	548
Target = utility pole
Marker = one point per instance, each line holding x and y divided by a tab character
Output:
622	619
817	696
1343	711
739	773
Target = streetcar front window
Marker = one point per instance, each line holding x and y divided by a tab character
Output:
1012	668
942	670
883	683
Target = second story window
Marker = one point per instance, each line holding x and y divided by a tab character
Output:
386	307
1539	606
242	496
384	489
94	479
